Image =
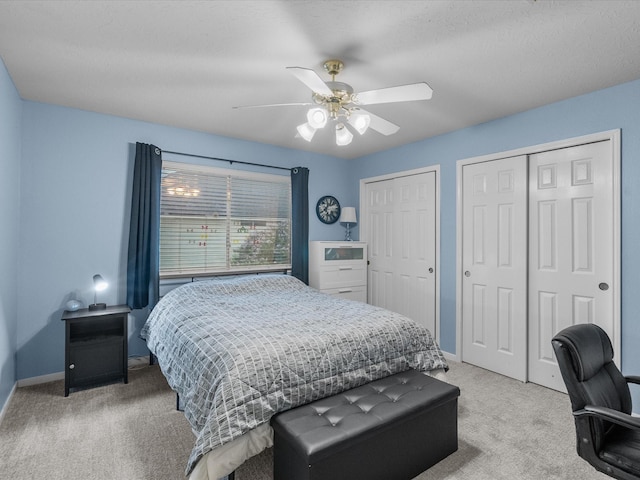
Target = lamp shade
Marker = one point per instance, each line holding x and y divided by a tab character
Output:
306	131
317	117
99	283
360	121
343	135
348	215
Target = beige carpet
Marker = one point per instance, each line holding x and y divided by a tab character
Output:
116	431
507	430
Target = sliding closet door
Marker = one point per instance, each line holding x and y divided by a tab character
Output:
401	237
571	255
562	251
494	261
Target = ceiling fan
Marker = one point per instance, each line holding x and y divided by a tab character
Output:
337	101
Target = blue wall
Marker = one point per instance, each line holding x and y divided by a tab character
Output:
76	175
10	128
613	108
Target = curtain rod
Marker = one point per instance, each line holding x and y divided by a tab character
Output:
231	162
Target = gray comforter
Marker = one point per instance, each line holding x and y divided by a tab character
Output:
239	350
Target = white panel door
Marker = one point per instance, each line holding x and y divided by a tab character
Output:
415	253
571	256
494	261
401	234
380	226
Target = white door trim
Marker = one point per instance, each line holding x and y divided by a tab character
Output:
362	228
614	137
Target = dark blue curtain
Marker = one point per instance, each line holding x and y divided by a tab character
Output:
300	223
143	261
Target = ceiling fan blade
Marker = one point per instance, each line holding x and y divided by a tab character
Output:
311	79
379	124
402	93
273	105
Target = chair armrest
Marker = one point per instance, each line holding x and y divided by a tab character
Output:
610	415
632	379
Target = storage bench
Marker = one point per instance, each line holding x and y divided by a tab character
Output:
390	429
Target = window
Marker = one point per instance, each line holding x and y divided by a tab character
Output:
216	220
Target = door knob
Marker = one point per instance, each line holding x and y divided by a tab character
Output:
603	286
467	273
430	269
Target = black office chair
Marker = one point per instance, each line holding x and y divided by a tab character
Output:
608	437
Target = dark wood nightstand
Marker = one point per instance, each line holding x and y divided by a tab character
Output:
96	346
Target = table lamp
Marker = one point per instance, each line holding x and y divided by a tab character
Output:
348	217
99	285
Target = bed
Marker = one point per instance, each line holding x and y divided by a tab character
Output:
238	350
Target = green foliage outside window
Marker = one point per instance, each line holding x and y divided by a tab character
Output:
264	247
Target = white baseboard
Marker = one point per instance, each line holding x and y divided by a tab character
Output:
4	407
51	377
451	356
137	362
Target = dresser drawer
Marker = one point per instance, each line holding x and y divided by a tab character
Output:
358	293
324	254
337	276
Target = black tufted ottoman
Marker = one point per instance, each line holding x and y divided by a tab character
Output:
390	429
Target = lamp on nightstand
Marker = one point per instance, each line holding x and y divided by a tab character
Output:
99	285
348	217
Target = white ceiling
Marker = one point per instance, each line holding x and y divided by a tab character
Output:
186	63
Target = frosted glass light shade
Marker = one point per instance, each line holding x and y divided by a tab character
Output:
306	131
317	117
360	121
348	215
343	135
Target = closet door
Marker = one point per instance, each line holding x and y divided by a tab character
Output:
494	262
401	235
415	238
571	255
379	237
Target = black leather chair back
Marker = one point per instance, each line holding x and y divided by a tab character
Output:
585	357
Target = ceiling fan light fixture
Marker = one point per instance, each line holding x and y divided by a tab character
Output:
343	135
360	121
306	131
317	117
338	102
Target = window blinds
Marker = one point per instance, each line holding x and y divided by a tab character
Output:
218	220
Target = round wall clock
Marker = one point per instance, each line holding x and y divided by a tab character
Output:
328	209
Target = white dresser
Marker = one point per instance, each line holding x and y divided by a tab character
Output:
339	268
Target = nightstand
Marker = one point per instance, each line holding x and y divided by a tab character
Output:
96	346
